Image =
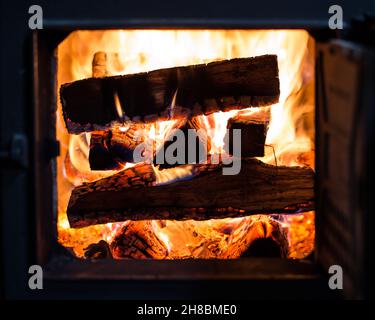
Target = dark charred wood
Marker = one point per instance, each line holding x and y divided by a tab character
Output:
263	247
100	158
100	250
113	148
201	150
264	237
272	243
137	240
258	189
92	104
253	136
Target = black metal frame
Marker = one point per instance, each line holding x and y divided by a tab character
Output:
60	265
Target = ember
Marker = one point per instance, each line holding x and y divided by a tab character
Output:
105	133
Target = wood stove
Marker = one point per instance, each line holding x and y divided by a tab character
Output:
312	115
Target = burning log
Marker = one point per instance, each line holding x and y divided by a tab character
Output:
260	236
253	136
111	149
132	195
100	250
94	103
202	145
100	158
137	240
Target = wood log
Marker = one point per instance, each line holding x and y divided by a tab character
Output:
253	237
111	149
253	136
100	158
202	146
137	240
258	189
92	104
100	250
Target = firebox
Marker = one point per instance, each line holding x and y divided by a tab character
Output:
261	83
171	158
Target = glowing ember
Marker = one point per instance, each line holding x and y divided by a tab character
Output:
290	137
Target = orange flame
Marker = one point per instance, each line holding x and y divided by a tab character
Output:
290	134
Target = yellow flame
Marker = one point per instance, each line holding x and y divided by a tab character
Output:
291	127
118	106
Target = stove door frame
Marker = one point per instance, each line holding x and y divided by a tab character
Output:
60	267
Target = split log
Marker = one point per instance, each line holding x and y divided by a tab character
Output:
100	158
193	154
100	250
253	136
92	104
111	149
137	240
259	236
258	189
263	247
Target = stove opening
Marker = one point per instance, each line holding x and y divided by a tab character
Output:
116	200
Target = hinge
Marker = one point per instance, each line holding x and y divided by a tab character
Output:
17	151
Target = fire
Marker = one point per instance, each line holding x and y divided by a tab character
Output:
290	137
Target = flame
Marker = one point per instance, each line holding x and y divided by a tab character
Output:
216	125
118	106
290	137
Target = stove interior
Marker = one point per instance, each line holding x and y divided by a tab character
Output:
93	157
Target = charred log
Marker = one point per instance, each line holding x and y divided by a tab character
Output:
100	250
260	237
193	154
113	148
253	136
93	103
131	195
100	158
137	240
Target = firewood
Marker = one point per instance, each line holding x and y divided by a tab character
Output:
259	188
137	240
253	237
253	136
100	250
93	104
263	247
100	158
202	145
113	148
